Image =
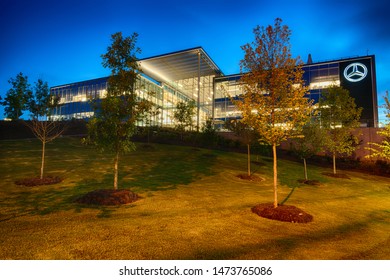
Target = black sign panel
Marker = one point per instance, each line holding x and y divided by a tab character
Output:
356	76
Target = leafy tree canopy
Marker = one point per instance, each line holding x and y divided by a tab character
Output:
339	117
116	116
184	114
40	102
382	149
274	102
17	96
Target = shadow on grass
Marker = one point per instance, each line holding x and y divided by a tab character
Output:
288	196
173	170
48	199
279	249
182	168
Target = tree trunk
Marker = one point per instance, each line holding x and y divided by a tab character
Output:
249	159
275	176
305	168
43	158
116	171
334	163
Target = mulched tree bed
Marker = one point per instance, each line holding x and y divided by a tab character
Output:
252	177
284	213
337	175
31	182
108	197
258	163
310	182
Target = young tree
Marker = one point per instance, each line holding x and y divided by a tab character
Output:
309	144
114	123
339	118
15	100
40	103
274	102
209	136
184	114
382	149
246	134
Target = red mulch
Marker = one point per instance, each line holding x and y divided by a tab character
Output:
108	197
249	178
284	213
31	182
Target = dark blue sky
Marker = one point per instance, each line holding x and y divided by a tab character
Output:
61	41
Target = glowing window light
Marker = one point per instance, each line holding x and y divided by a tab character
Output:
324	84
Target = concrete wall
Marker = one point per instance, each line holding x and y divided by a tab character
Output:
10	130
366	135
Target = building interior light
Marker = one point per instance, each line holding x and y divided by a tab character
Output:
171	88
324	84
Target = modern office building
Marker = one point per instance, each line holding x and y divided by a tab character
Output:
192	75
178	76
354	74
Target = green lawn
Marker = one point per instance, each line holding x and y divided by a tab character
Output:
193	207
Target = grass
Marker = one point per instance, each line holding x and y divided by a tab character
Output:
193	207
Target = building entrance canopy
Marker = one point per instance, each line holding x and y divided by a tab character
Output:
179	65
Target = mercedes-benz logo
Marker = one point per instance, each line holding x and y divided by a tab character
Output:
355	72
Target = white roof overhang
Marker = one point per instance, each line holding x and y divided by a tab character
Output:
179	65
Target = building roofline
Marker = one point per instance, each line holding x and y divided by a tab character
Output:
170	53
183	51
342	59
79	82
372	56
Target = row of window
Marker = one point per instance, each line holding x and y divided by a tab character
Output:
74	97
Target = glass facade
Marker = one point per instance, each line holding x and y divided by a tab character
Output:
186	90
226	88
318	77
176	77
192	75
75	98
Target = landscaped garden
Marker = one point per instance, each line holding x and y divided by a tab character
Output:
192	205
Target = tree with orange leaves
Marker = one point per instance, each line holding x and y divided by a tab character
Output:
273	101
